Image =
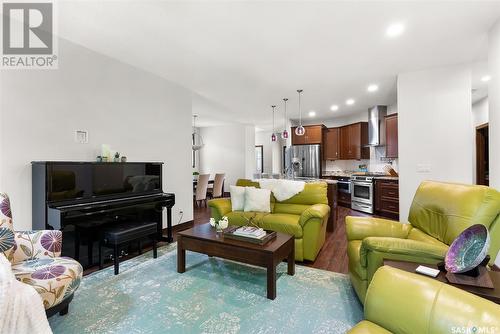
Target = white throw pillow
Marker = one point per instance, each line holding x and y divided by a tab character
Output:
237	198
258	200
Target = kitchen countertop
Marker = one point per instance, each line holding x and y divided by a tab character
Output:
337	175
309	180
378	177
388	178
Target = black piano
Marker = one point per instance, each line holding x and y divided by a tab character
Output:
80	198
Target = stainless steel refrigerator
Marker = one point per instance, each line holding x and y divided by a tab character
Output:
303	161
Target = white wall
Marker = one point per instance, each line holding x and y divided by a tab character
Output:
139	114
249	151
435	120
228	149
494	104
480	116
480	112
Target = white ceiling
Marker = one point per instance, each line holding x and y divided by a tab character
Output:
241	57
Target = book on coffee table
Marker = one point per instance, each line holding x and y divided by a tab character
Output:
249	234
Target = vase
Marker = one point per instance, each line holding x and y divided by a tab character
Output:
218	228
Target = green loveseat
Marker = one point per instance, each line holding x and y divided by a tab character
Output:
304	216
400	302
438	214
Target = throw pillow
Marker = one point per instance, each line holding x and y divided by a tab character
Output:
258	200
237	198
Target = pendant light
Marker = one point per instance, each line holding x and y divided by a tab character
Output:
197	139
300	131
273	136
285	132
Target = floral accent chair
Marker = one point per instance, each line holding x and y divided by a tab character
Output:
35	258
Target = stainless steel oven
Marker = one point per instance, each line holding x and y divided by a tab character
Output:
344	185
362	193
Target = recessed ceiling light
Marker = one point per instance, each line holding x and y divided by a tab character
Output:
372	88
394	30
349	102
312	113
334	107
485	78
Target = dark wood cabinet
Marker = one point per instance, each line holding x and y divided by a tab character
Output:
344	199
331	144
391	136
297	140
312	135
387	198
353	139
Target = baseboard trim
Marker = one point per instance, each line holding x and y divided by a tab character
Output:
181	226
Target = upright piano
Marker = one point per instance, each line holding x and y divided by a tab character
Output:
80	198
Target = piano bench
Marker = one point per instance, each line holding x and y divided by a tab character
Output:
125	233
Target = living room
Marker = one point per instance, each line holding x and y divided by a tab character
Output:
108	109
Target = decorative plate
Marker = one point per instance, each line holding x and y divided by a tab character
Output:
468	250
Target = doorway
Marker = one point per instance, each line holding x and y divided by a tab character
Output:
482	155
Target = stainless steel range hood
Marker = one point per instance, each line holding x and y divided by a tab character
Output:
376	125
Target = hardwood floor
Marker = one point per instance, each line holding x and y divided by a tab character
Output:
333	255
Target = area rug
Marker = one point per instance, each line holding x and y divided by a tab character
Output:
212	296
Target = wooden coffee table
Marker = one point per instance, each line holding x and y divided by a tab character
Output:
491	294
204	239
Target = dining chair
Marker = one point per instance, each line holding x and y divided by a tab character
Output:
217	190
201	189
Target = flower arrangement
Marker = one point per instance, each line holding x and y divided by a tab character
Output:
221	224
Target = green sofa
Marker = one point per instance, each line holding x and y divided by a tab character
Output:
401	302
304	216
438	214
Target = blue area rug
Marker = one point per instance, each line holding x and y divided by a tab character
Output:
212	296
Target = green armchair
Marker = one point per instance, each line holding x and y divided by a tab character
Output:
438	214
402	302
304	216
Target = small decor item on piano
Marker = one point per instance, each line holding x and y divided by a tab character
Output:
98	159
106	153
124	159
219	225
468	250
117	157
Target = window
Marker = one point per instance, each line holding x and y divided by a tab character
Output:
259	158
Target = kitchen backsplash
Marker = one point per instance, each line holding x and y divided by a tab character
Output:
374	164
